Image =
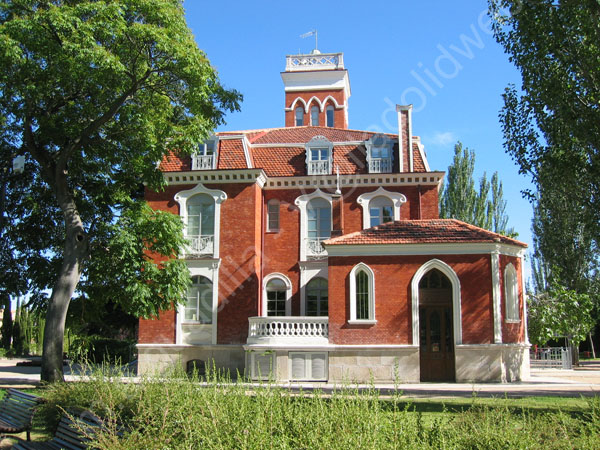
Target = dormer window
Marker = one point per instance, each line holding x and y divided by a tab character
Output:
206	156
379	154
299	116
319	156
314	116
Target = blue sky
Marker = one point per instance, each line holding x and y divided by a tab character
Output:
438	55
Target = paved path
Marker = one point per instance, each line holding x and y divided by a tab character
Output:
583	380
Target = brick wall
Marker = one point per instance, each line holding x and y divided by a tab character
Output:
339	116
393	307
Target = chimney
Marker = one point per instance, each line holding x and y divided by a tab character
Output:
405	140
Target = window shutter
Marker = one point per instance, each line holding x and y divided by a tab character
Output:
318	365
298	366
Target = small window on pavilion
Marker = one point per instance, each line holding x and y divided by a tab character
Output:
511	294
299	116
314	116
329	116
362	294
205	157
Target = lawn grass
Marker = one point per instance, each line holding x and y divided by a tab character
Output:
173	412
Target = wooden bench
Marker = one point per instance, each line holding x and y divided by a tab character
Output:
16	412
74	432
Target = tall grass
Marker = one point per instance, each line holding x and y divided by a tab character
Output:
175	412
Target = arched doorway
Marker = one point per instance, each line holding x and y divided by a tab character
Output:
436	334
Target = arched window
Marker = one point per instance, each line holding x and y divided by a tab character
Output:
299	116
317	297
381	210
319	219
276	297
201	222
511	294
198	306
362	294
273	215
314	116
329	116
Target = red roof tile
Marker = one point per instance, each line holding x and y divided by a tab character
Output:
293	135
175	163
433	231
231	154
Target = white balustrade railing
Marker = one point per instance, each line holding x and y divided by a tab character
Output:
200	245
291	330
318	61
202	162
314	247
380	165
319	167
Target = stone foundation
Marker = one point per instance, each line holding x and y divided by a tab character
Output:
492	363
156	358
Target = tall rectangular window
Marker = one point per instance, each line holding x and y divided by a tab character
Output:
273	215
329	116
362	296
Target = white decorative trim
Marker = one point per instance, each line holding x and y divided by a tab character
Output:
421	249
456	299
294	107
371	286
288	292
308	271
218	196
364	200
524	294
332	347
208	268
353	181
221	176
302	203
246	145
496	298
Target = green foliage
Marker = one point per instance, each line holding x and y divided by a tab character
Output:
559	312
94	94
99	349
172	411
460	200
552	127
7	324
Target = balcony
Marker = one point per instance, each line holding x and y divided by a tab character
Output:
200	245
315	249
288	330
380	165
319	167
202	162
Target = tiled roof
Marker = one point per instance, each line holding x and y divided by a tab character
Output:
290	161
292	135
433	231
231	154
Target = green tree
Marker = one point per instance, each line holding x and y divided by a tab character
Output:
94	93
485	207
552	124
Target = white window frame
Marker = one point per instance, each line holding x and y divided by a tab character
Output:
306	290
201	160
208	268
308	366
219	197
512	313
364	201
302	203
319	142
387	143
197	320
288	293
275	203
362	267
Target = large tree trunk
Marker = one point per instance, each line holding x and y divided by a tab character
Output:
75	252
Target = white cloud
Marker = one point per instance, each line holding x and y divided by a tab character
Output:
442	139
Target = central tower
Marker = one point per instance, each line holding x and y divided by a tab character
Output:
317	89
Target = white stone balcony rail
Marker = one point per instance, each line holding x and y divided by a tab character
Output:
319	168
200	245
202	162
314	248
288	330
380	165
318	61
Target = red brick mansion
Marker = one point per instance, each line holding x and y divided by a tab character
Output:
316	254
